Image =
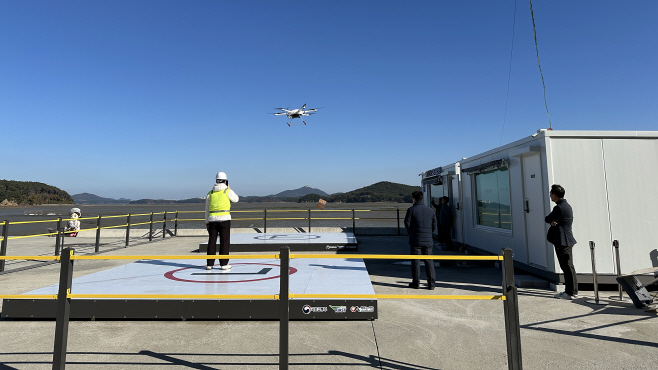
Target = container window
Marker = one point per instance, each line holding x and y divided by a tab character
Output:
492	194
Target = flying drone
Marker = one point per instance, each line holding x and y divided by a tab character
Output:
296	113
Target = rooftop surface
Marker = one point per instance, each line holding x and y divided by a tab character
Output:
409	334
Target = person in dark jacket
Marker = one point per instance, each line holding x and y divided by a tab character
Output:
420	222
561	236
446	221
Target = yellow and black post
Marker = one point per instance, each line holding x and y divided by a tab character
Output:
164	225
3	244
176	224
511	305
284	308
128	230
58	241
63	309
151	228
98	234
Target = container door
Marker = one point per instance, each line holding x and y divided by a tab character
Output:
533	207
457	206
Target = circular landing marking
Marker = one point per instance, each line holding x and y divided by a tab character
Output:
170	274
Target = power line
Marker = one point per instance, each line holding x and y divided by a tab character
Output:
509	74
534	31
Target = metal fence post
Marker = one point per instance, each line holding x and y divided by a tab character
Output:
615	244
398	221
3	244
265	220
309	220
284	308
98	234
176	224
164	225
151	228
58	241
511	306
128	230
594	276
353	223
63	309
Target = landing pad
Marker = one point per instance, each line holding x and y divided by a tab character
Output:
247	277
268	242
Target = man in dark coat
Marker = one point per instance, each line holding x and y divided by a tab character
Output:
446	221
420	222
561	236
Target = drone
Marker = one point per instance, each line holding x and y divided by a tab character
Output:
295	113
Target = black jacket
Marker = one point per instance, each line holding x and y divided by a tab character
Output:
420	222
445	215
561	234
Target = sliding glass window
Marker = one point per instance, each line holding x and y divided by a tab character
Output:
493	199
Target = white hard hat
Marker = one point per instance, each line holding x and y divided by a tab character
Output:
220	176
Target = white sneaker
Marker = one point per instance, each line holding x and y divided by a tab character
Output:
563	295
225	267
574	296
208	267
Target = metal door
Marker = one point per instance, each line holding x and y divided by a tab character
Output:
533	209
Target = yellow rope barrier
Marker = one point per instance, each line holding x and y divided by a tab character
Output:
104	217
399	296
174	257
29	222
28	296
399	256
112	227
55	258
141	223
141	214
30	236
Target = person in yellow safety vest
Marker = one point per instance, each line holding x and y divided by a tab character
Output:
218	219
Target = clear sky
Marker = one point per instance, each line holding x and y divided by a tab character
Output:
149	99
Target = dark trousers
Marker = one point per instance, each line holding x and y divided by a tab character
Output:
429	265
565	258
223	228
445	235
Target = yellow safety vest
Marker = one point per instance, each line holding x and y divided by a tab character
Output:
218	203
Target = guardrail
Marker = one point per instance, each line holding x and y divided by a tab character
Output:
60	233
509	295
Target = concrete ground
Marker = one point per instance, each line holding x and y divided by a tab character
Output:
409	334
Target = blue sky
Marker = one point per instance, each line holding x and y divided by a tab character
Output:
149	99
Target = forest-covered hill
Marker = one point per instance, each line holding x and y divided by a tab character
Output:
29	193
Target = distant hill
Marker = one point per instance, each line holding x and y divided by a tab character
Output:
304	190
165	201
28	192
86	198
383	191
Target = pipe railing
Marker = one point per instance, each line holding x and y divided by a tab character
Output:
60	233
64	296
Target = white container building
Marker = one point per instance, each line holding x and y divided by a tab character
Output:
500	197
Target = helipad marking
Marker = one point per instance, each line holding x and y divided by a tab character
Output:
170	274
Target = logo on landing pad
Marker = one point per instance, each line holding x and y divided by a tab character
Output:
307	309
362	308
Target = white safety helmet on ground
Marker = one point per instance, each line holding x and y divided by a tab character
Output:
75	210
220	176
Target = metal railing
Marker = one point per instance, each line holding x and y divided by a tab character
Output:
101	220
509	295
